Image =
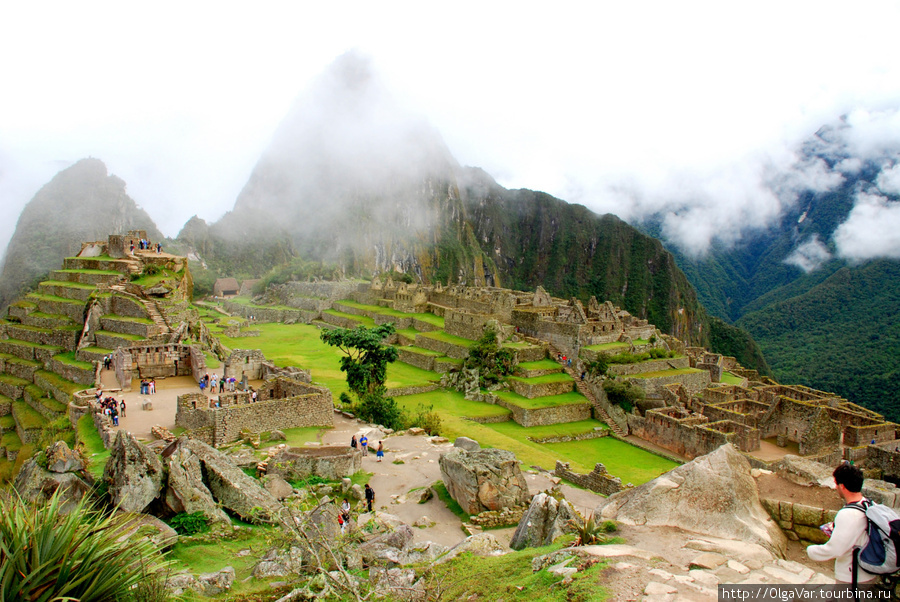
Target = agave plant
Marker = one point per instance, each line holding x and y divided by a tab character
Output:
83	555
588	532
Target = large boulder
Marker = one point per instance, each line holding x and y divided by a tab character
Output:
35	483
546	519
61	459
186	491
279	563
483	479
712	495
232	488
480	544
134	474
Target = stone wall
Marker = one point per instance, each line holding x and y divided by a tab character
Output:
598	480
453	350
157	361
314	408
799	521
549	415
465	324
675	363
694	382
76	374
424	361
331	463
690	435
247	362
533	390
269	314
886	458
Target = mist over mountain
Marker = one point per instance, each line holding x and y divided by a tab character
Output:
819	289
354	179
81	203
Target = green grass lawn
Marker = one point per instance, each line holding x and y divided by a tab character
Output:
94	452
608	346
730	379
68	358
440	335
660	373
629	463
558	377
387	311
360	320
542	402
299	345
544	364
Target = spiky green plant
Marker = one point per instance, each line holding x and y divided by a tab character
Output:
83	555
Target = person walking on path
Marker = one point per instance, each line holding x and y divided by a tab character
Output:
364	445
380	451
353	443
370	496
122	408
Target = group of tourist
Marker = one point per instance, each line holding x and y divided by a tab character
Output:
344	512
146	245
110	407
363	444
148	386
219	385
107	362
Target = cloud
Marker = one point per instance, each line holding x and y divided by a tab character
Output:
809	255
888	180
871	230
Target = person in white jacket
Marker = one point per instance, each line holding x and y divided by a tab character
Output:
850	527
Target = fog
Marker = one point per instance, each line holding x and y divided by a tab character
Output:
696	112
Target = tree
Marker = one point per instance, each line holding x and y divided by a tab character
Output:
366	357
492	361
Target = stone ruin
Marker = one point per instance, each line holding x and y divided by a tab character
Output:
282	402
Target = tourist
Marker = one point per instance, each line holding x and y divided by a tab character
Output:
341	522
364	445
214	384
370	497
345	511
379	453
849	529
114	414
353	443
122	408
152	386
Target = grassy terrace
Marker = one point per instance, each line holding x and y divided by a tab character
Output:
440	335
11	442
67	284
13	381
7	423
730	379
661	373
23	362
128	319
122	335
361	320
630	463
59	382
27	417
68	358
544	364
520	345
94	452
542	402
608	346
246	303
100	350
299	345
40	314
90	271
387	311
153	279
97	258
420	351
40	297
547	378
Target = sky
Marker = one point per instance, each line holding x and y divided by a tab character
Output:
693	111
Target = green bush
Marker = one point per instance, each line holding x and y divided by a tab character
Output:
426	418
189	524
623	394
492	361
374	407
82	555
599	366
345	399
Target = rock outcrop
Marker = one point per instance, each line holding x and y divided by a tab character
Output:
484	479
712	495
185	490
546	519
64	472
134	474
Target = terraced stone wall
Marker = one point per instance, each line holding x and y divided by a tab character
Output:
693	382
534	390
675	363
549	415
330	463
466	324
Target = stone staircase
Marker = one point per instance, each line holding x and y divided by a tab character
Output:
599	412
149	305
